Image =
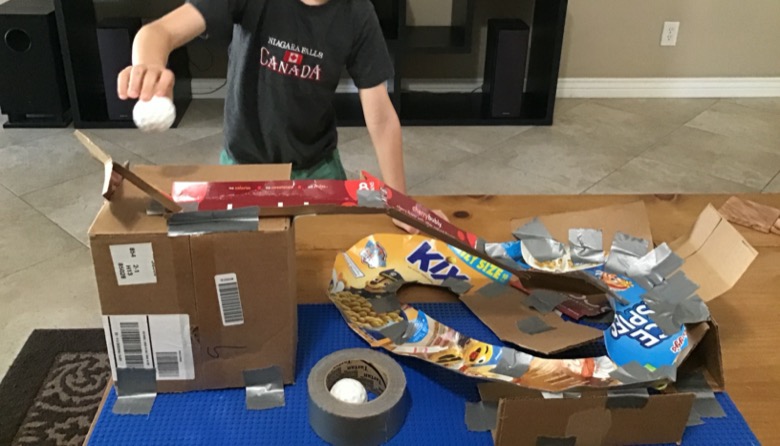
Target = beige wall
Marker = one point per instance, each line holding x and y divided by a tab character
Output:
621	38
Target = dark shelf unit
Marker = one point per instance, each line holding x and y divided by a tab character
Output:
465	108
77	27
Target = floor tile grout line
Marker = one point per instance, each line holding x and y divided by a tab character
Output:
20	270
22	198
777	176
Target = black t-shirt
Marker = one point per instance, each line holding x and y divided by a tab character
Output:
286	59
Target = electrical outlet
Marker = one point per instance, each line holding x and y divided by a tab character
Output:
669	35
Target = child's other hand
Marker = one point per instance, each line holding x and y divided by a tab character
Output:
144	82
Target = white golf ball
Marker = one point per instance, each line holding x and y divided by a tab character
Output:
155	115
349	391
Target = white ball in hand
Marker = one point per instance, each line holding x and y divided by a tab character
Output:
349	391
155	115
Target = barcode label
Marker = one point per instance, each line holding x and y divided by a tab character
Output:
130	333
167	364
229	299
155	341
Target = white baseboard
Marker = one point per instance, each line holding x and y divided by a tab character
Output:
706	87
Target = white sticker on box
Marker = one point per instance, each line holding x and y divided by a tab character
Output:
134	264
229	299
161	342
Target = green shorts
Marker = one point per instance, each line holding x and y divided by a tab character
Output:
328	169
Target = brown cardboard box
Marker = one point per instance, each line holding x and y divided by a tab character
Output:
159	294
715	255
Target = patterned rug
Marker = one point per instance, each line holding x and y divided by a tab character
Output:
52	391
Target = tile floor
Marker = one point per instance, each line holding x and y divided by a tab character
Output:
49	185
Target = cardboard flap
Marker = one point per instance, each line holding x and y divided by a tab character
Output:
503	312
115	173
588	420
715	253
628	218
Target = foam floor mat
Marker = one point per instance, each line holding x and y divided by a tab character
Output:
436	416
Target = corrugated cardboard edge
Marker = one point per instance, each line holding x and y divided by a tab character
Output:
112	167
715	253
662	420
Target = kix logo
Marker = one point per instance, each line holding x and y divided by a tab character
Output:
434	264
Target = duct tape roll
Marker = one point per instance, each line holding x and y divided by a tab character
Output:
367	424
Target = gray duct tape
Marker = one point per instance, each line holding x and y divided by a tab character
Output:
635	373
492	289
532	229
555	441
626	250
136	390
652	269
370	199
694	419
154	208
371	423
457	286
544	249
497	251
673	304
627	398
544	301
481	416
397	332
385	303
264	388
586	246
705	404
196	223
533	325
512	363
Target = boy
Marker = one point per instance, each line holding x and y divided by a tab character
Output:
286	58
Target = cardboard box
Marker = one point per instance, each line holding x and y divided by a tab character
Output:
200	309
715	255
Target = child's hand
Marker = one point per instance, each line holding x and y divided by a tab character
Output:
145	81
415	231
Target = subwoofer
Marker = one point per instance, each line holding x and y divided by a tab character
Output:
505	66
33	92
115	41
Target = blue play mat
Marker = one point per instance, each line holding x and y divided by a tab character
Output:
436	417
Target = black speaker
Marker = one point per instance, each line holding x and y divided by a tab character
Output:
505	64
33	92
115	42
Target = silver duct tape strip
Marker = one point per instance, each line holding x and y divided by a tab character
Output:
544	301
652	269
539	242
544	249
586	246
398	332
481	416
533	325
497	252
555	441
635	373
625	251
371	423
136	391
561	395
627	398
154	208
512	363
457	286
694	419
674	304
532	229
492	289
264	388
207	222
370	199
705	404
386	303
